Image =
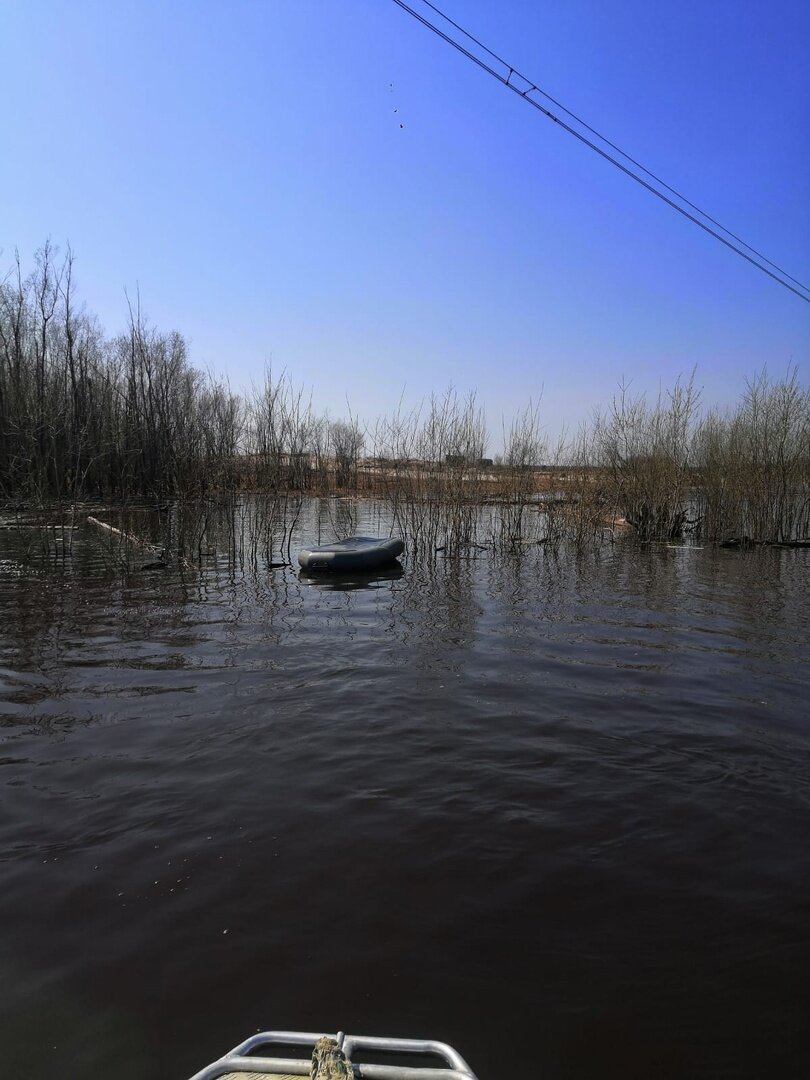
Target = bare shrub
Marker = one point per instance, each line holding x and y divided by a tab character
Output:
754	464
524	450
646	454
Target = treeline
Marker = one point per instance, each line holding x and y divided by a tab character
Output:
88	416
84	415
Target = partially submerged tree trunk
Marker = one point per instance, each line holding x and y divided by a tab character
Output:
161	562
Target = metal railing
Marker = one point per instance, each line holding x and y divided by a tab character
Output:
240	1059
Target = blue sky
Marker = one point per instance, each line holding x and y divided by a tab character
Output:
328	187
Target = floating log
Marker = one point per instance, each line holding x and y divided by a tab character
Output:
128	537
162	561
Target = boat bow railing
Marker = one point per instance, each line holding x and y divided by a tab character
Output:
242	1059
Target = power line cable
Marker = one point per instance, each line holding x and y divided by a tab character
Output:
537	89
532	87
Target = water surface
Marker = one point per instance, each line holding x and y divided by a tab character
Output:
554	810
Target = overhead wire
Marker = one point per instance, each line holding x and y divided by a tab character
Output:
531	87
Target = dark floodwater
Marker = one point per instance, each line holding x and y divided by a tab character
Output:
556	812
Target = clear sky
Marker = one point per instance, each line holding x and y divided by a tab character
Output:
325	185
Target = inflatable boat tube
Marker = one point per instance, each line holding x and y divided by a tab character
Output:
353	553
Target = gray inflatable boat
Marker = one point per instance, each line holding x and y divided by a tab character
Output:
353	553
